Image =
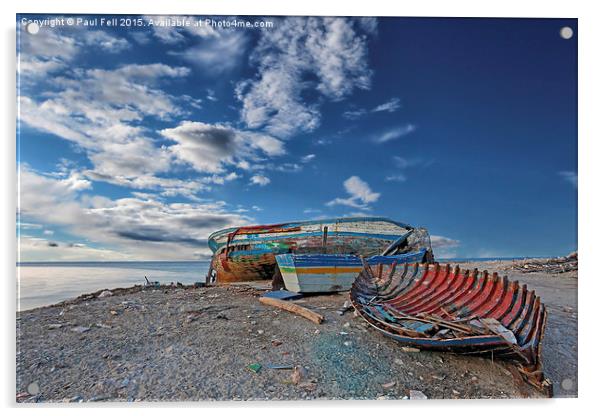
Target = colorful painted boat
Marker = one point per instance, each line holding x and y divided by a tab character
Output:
320	273
248	253
440	308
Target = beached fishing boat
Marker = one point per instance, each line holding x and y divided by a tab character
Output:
248	253
440	308
316	273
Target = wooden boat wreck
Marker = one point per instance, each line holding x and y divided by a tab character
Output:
316	273
467	312
248	253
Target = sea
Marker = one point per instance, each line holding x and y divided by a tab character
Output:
41	284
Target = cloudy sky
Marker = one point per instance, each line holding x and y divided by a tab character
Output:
136	143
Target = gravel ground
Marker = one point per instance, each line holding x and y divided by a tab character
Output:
189	344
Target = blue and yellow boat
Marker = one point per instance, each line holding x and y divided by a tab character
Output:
320	273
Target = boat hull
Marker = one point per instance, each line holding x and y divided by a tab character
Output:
248	253
321	273
440	308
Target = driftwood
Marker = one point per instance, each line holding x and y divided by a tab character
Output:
293	308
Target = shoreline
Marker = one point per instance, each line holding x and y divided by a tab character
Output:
167	343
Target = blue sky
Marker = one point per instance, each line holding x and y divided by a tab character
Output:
137	142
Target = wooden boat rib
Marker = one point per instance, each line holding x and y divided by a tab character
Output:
248	253
448	309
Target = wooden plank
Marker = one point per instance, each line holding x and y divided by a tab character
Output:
296	309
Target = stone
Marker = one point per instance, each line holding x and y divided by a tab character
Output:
417	395
105	293
80	329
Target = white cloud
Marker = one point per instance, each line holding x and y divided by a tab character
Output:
355	114
333	51
101	111
569	176
215	50
217	54
54	48
308	158
41	249
140	227
211	95
395	133
444	246
360	194
396	178
105	41
390	106
209	147
260	180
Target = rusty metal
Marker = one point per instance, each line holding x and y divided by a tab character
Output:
448	309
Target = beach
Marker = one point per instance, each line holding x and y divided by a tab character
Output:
192	343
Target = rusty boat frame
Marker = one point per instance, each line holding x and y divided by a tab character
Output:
429	306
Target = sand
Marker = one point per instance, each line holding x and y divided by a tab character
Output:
190	344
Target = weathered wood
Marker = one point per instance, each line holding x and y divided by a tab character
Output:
293	308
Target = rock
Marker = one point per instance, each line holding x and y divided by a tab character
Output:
347	325
105	293
80	329
114	313
33	389
55	326
101	325
389	385
347	343
260	331
276	342
299	373
417	395
398	361
317	331
409	349
343	333
308	385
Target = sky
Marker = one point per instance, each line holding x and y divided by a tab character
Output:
136	142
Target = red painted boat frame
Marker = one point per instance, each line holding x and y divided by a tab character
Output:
466	312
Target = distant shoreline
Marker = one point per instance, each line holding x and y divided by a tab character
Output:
105	262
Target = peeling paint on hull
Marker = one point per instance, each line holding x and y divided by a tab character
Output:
319	273
248	253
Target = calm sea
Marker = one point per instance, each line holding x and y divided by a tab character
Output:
40	284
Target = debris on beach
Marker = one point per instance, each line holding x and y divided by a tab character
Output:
255	367
469	312
293	308
554	265
149	284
